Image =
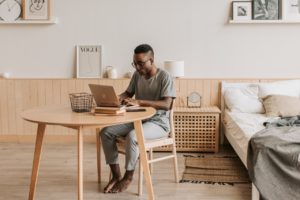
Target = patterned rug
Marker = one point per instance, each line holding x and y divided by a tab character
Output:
211	169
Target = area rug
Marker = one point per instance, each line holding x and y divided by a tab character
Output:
221	169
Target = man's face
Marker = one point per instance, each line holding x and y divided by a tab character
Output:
142	62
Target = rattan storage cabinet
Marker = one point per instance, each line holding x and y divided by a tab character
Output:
196	129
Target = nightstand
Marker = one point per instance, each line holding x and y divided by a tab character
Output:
197	129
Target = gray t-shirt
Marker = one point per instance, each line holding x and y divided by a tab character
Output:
156	88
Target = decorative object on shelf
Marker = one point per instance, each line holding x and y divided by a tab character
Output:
175	68
128	75
105	72
291	9
10	10
5	75
81	102
112	72
88	61
194	100
266	9
242	10
36	9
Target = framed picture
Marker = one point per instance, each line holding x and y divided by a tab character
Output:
241	10
36	9
291	9
89	61
266	9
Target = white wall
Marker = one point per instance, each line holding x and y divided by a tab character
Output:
195	31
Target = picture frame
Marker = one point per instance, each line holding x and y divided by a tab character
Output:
36	9
291	9
88	61
242	10
266	9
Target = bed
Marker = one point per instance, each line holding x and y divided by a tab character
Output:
238	126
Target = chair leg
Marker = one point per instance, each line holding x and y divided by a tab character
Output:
140	181
175	163
98	143
150	158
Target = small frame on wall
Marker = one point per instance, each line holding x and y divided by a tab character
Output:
291	9
89	61
242	10
36	9
266	9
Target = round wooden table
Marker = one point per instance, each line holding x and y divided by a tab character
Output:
63	116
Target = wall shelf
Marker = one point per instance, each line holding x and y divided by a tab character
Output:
280	21
53	20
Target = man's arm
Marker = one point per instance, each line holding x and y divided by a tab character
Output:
164	104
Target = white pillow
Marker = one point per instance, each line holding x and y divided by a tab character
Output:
287	88
243	100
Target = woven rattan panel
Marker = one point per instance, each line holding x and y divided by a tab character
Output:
195	132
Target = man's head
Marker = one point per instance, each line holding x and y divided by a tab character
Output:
143	59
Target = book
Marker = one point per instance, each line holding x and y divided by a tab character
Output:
110	112
116	110
102	108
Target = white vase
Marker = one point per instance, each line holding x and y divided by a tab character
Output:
112	73
4	75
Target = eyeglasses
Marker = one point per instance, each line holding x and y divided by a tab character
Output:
139	64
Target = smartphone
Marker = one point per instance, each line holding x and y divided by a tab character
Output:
135	109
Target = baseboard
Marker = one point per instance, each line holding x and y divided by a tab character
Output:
59	139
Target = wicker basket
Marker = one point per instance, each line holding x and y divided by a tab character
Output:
81	102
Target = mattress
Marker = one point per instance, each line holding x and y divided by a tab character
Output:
240	127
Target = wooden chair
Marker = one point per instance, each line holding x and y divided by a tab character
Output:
149	144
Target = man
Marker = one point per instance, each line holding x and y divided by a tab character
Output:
152	87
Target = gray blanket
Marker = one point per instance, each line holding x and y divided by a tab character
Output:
274	160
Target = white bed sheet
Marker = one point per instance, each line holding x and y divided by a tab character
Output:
240	127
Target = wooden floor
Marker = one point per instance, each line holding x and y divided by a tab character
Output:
58	177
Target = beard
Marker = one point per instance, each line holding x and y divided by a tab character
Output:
143	72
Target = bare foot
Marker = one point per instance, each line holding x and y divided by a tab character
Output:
111	184
121	186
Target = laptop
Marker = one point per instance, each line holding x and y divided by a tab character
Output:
105	95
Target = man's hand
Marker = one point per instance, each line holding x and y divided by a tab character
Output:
123	96
121	99
131	102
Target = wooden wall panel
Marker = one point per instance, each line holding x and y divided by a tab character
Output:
11	105
3	107
215	92
18	95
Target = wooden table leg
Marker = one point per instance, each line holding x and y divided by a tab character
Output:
143	156
36	159
98	144
80	170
